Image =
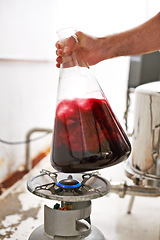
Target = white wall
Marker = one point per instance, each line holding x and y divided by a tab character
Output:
27	29
28	89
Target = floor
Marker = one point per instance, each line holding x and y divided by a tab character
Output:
21	211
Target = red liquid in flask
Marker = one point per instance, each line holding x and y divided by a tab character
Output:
87	136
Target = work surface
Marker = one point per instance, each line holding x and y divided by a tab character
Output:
21	211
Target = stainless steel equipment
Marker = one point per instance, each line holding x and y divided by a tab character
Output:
70	219
145	160
144	165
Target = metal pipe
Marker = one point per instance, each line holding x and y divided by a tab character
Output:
122	189
9	59
130	204
28	165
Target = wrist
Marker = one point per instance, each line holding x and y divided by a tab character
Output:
109	47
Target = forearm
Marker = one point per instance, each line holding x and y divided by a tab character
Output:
142	39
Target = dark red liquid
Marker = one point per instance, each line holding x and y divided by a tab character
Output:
87	136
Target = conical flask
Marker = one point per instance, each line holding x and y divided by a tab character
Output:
87	135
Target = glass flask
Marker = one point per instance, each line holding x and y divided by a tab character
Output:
87	135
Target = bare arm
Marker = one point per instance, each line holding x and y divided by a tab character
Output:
142	39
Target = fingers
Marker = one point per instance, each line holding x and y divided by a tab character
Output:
65	47
58	45
59	52
59	61
58	65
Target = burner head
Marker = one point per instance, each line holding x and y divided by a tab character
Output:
68	188
69	183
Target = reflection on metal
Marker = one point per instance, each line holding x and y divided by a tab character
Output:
123	189
141	178
28	138
146	138
144	166
143	185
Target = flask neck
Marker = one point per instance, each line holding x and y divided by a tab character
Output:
74	58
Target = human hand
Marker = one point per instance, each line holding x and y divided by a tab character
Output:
88	48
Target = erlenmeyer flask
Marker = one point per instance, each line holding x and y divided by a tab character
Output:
87	136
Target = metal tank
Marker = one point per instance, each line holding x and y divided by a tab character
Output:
145	159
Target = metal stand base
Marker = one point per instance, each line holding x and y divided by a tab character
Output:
69	220
130	204
39	234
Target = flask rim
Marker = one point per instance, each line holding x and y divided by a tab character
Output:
66	32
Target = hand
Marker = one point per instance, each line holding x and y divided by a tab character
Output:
142	39
88	48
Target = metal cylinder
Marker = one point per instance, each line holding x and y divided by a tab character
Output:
146	133
65	223
71	224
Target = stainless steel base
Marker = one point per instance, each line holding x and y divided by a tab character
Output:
141	178
39	234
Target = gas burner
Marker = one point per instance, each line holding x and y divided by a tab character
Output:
75	192
72	188
69	183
